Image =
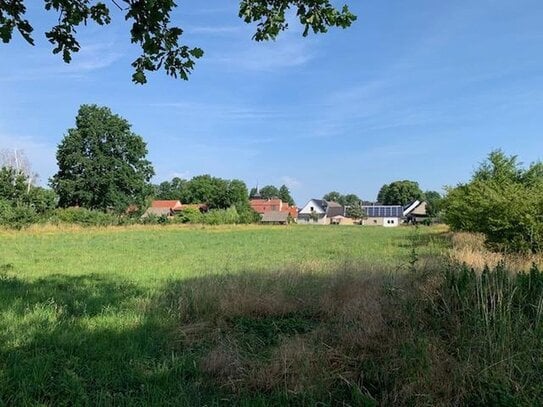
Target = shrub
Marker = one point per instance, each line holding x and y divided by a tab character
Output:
189	215
152	219
221	217
248	215
84	217
16	217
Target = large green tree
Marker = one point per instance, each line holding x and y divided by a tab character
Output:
153	31
269	192
400	193
215	192
503	200
174	189
102	163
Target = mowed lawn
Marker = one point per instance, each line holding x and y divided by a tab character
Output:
83	315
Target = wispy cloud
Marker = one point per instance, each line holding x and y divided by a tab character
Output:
93	57
227	110
291	182
214	30
267	57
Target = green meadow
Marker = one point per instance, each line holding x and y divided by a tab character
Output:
251	315
150	256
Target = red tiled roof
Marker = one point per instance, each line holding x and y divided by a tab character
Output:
175	205
273	205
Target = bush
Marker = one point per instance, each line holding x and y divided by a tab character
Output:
502	201
189	215
228	216
84	217
16	217
248	216
221	217
152	219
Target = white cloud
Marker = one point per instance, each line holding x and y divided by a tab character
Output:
290	182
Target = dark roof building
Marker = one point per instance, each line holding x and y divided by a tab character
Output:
280	217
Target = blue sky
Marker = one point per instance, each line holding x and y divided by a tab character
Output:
418	90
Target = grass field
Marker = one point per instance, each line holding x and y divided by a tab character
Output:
242	315
149	256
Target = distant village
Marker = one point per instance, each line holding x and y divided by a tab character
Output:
315	211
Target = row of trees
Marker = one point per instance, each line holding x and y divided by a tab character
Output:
103	166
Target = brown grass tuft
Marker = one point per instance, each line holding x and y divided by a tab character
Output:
225	363
470	249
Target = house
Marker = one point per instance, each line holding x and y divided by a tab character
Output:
275	217
383	215
263	206
174	205
171	207
417	212
393	215
320	211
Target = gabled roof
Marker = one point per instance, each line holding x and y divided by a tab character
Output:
169	204
320	202
418	207
275	216
333	204
334	209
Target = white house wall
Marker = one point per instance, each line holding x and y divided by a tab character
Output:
306	210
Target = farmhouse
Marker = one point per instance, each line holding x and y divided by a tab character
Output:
393	215
383	215
263	206
171	207
320	211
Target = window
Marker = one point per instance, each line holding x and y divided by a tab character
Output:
312	209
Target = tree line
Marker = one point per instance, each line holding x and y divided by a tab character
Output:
103	167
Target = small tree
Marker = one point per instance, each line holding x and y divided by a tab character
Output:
284	195
356	212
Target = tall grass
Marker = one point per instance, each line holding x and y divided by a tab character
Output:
470	249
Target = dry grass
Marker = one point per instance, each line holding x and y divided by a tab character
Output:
470	249
305	324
